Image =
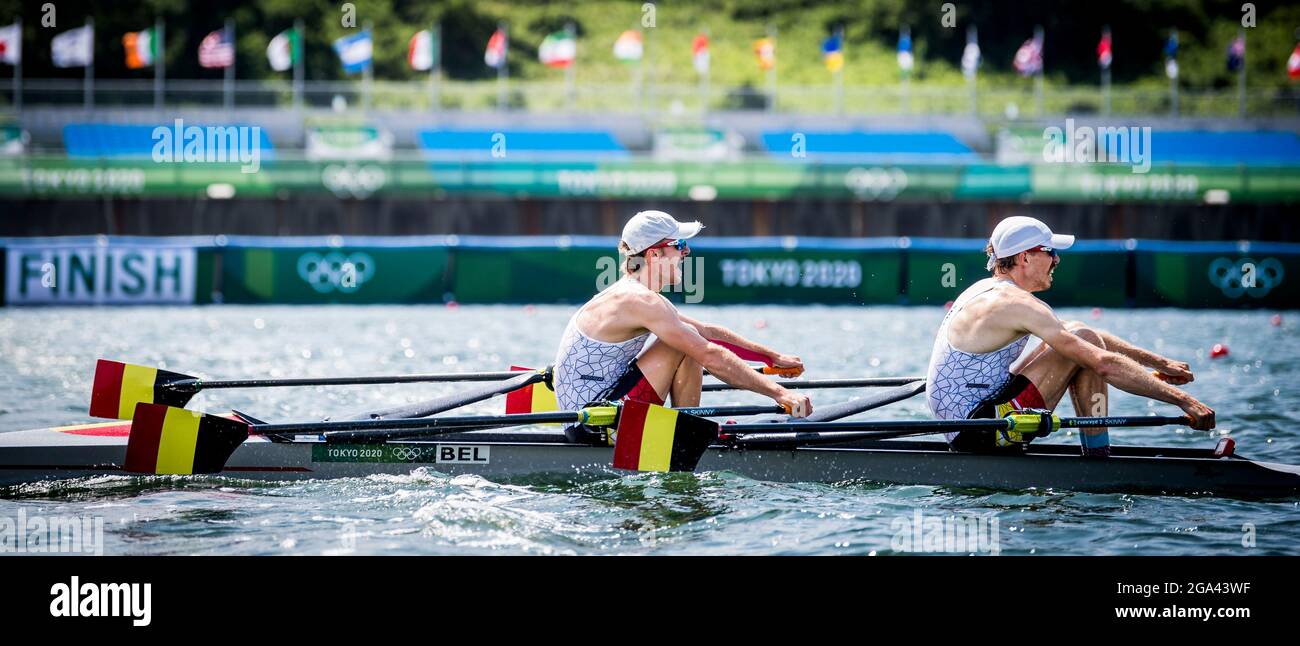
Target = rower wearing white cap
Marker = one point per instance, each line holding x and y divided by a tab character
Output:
976	368
604	354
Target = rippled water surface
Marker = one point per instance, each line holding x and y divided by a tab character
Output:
47	358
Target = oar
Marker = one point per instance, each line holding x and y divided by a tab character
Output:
118	386
867	382
650	440
169	440
836	432
435	406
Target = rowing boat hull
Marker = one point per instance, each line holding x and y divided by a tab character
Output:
73	452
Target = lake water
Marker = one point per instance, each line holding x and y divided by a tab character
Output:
47	359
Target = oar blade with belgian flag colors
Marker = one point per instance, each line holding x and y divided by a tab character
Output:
533	398
655	438
175	441
120	386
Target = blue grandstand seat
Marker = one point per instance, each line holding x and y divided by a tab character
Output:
110	140
479	144
1215	148
855	144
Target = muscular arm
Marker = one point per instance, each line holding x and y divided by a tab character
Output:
661	318
719	333
1143	357
1116	368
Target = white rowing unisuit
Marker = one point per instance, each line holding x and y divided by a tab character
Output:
957	381
587	369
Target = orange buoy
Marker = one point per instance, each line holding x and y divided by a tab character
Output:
1219	350
529	309
1276	320
947	306
451	305
1096	313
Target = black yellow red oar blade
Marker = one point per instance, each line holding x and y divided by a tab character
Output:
533	398
654	438
169	440
120	386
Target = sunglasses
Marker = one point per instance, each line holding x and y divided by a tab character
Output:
1047	250
680	245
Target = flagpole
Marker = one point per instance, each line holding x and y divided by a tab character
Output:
569	75
501	69
296	52
18	71
89	89
907	74
704	78
1038	78
1241	77
972	36
1173	80
1105	74
159	71
638	74
771	72
839	73
435	70
228	82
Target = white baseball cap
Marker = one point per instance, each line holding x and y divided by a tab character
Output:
649	227
1020	233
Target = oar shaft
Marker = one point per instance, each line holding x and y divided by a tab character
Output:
199	384
417	424
941	425
872	382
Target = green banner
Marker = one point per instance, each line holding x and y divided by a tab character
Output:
1218	279
750	179
333	275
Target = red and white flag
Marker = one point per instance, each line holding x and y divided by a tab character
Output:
495	54
700	54
1293	64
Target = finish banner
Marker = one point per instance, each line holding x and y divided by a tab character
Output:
38	274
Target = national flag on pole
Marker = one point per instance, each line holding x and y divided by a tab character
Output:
11	44
700	54
1293	64
282	53
905	60
420	51
1236	54
74	48
1171	56
558	50
355	51
833	52
217	49
1029	58
654	438
141	48
629	46
495	54
1104	55
970	58
765	51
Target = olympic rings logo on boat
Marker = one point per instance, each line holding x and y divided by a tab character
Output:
336	271
876	183
351	180
408	453
1245	276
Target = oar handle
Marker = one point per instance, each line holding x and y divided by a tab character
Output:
781	372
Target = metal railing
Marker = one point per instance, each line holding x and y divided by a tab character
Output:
665	99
